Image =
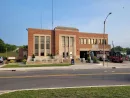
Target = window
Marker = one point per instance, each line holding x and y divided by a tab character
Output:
95	41
63	41
36	45
67	41
105	42
63	54
71	41
89	41
42	45
67	54
48	45
81	41
100	41
85	42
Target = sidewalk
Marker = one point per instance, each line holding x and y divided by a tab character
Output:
73	67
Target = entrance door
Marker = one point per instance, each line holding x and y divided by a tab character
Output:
83	54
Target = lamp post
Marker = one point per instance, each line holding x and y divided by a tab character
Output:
104	39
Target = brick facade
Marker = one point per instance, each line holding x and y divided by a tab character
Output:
55	34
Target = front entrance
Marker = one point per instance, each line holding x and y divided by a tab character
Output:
84	54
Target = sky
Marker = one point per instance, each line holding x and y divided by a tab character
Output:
86	15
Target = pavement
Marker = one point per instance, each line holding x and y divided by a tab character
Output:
78	75
108	65
37	79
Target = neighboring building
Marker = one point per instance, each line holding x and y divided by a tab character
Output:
64	42
22	53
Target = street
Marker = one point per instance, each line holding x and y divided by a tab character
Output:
13	80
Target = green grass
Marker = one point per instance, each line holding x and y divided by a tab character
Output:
95	92
14	54
40	65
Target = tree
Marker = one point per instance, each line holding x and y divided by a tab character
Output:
117	48
24	46
128	51
2	46
10	47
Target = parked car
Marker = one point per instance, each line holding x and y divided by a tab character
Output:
1	60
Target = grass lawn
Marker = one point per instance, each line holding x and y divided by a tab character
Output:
95	92
40	65
14	54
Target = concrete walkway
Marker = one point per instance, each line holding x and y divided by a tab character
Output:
73	67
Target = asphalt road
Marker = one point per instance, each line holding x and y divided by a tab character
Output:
63	78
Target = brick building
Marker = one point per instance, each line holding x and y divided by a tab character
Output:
64	42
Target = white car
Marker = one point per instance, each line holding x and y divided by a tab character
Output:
1	60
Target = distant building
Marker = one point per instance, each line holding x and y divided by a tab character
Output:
65	42
22	53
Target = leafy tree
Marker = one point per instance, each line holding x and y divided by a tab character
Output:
24	46
2	46
117	48
128	50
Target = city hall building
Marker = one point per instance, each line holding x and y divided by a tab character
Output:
65	42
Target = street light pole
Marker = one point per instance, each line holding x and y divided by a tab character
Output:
104	38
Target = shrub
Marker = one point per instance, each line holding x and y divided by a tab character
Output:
52	56
48	54
25	57
12	61
24	61
33	56
88	59
95	60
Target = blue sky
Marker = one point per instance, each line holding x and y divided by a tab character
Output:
86	15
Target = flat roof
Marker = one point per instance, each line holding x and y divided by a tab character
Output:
66	28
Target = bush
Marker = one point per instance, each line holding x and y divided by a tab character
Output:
24	61
95	60
33	56
48	54
88	59
12	61
25	57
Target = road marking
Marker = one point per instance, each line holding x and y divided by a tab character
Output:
113	71
63	75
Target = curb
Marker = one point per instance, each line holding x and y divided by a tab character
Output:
36	69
